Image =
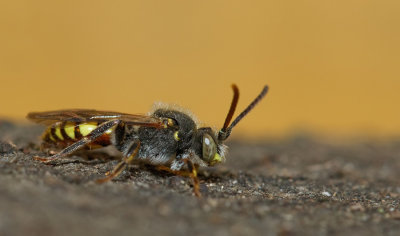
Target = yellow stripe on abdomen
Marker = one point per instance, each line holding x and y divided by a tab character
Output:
69	129
58	133
51	136
87	128
48	136
65	132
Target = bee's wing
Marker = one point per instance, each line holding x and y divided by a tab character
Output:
86	115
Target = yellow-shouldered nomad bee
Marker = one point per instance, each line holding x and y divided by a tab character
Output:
167	138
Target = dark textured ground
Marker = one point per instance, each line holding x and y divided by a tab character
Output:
292	187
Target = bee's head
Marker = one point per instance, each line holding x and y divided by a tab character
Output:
208	145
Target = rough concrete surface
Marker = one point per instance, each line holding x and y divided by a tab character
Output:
297	186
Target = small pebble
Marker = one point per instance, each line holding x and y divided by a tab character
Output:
326	194
7	147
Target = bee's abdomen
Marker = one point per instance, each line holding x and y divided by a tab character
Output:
65	133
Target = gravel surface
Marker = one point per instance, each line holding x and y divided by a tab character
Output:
294	186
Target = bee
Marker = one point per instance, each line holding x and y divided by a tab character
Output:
168	138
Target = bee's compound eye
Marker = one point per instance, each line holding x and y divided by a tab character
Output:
209	148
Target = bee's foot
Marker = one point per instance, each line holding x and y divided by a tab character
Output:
103	180
196	191
41	159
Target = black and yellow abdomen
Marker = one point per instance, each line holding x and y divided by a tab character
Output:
65	133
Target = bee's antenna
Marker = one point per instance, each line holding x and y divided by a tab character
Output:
232	109
226	131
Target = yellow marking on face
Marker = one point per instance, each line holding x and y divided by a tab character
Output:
87	128
176	136
58	133
217	159
70	130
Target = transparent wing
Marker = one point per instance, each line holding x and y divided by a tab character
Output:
87	115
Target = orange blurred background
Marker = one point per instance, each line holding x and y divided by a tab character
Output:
332	66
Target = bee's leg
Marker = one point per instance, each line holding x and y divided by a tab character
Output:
99	131
121	166
193	175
